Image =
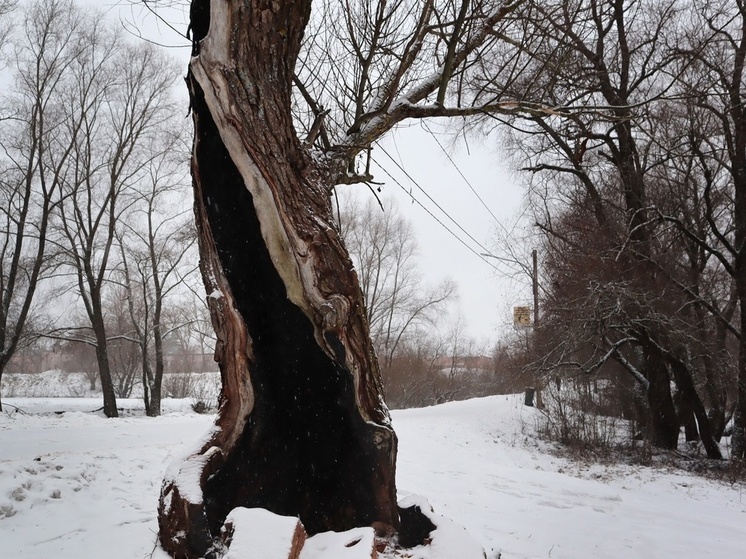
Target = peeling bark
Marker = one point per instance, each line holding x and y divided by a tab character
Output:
302	429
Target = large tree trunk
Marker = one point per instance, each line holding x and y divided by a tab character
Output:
2	368
146	377
302	428
738	440
694	407
154	409
155	379
664	423
102	360
715	367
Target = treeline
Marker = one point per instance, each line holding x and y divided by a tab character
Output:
632	133
96	234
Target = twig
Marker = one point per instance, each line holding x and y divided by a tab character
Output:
19	410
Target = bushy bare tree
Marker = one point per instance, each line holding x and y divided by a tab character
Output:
594	82
403	312
6	9
194	338
87	123
124	94
155	242
590	42
712	79
123	352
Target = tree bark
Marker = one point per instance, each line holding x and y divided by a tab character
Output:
715	367
738	440
664	423
156	391
695	409
145	374
102	359
302	428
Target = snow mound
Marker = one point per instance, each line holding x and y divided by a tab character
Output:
261	533
448	540
357	543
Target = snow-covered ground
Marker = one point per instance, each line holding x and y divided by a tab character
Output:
75	485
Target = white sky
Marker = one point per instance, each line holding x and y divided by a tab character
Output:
486	295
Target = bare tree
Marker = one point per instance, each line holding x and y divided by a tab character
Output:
155	249
411	380
302	428
123	352
38	132
195	337
6	9
608	70
714	60
693	196
403	312
127	92
383	248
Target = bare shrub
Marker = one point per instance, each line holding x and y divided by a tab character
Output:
205	393
571	417
178	385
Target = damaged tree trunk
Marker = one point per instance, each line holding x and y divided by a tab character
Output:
302	429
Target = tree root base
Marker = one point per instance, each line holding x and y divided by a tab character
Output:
423	534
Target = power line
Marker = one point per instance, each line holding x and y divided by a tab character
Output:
458	170
427	195
479	255
439	221
466	180
443	225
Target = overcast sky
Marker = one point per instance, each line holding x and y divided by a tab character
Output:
486	295
468	183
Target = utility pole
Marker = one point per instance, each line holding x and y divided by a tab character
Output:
535	286
535	282
533	275
522	316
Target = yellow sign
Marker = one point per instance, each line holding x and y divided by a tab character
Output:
522	316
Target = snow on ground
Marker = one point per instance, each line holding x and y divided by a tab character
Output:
75	485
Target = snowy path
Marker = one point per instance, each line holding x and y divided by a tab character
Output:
79	486
474	463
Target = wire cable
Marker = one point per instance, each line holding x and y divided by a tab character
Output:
458	170
439	221
427	195
466	180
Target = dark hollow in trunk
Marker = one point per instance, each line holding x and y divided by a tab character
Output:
300	453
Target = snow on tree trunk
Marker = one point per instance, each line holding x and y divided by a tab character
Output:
302	429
